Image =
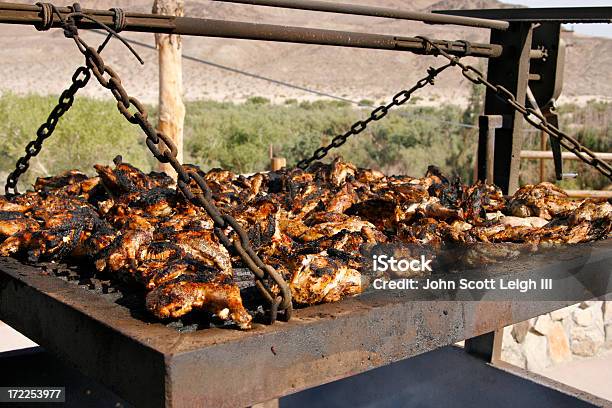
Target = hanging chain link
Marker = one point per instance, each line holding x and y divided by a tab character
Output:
377	114
164	150
531	115
80	78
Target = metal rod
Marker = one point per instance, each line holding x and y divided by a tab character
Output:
565	15
538	154
269	32
355	9
29	15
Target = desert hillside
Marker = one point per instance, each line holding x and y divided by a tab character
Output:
31	61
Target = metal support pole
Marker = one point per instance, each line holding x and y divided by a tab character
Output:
543	139
486	157
486	346
370	11
511	70
545	90
564	15
553	118
11	13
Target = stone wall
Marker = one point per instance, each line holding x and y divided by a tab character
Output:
581	330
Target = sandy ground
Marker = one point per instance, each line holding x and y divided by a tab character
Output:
42	62
593	375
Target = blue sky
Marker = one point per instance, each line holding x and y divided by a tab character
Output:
602	30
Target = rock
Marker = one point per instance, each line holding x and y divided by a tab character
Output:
535	350
586	341
607	311
589	303
583	317
558	344
543	324
562	313
597	314
608	332
511	350
519	330
568	323
514	356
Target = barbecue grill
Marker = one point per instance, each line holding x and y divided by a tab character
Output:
100	329
97	329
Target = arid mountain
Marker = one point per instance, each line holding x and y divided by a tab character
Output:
32	61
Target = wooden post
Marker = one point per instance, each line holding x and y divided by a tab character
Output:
171	107
276	163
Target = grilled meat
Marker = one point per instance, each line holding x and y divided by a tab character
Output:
7	205
13	222
181	296
69	183
322	278
314	227
543	200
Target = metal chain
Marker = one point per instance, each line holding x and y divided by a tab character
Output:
79	80
531	115
377	114
165	151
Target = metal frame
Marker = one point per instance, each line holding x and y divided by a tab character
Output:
511	71
152	365
533	57
11	13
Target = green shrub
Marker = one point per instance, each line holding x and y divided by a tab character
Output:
92	131
238	136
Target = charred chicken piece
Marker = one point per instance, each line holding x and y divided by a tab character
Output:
543	200
7	205
321	278
125	252
75	233
126	179
69	183
198	291
204	247
481	199
13	222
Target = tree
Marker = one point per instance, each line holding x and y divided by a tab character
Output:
171	107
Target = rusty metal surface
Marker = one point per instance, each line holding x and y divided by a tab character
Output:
11	13
152	365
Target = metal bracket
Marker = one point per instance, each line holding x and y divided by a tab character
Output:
486	157
486	346
511	71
